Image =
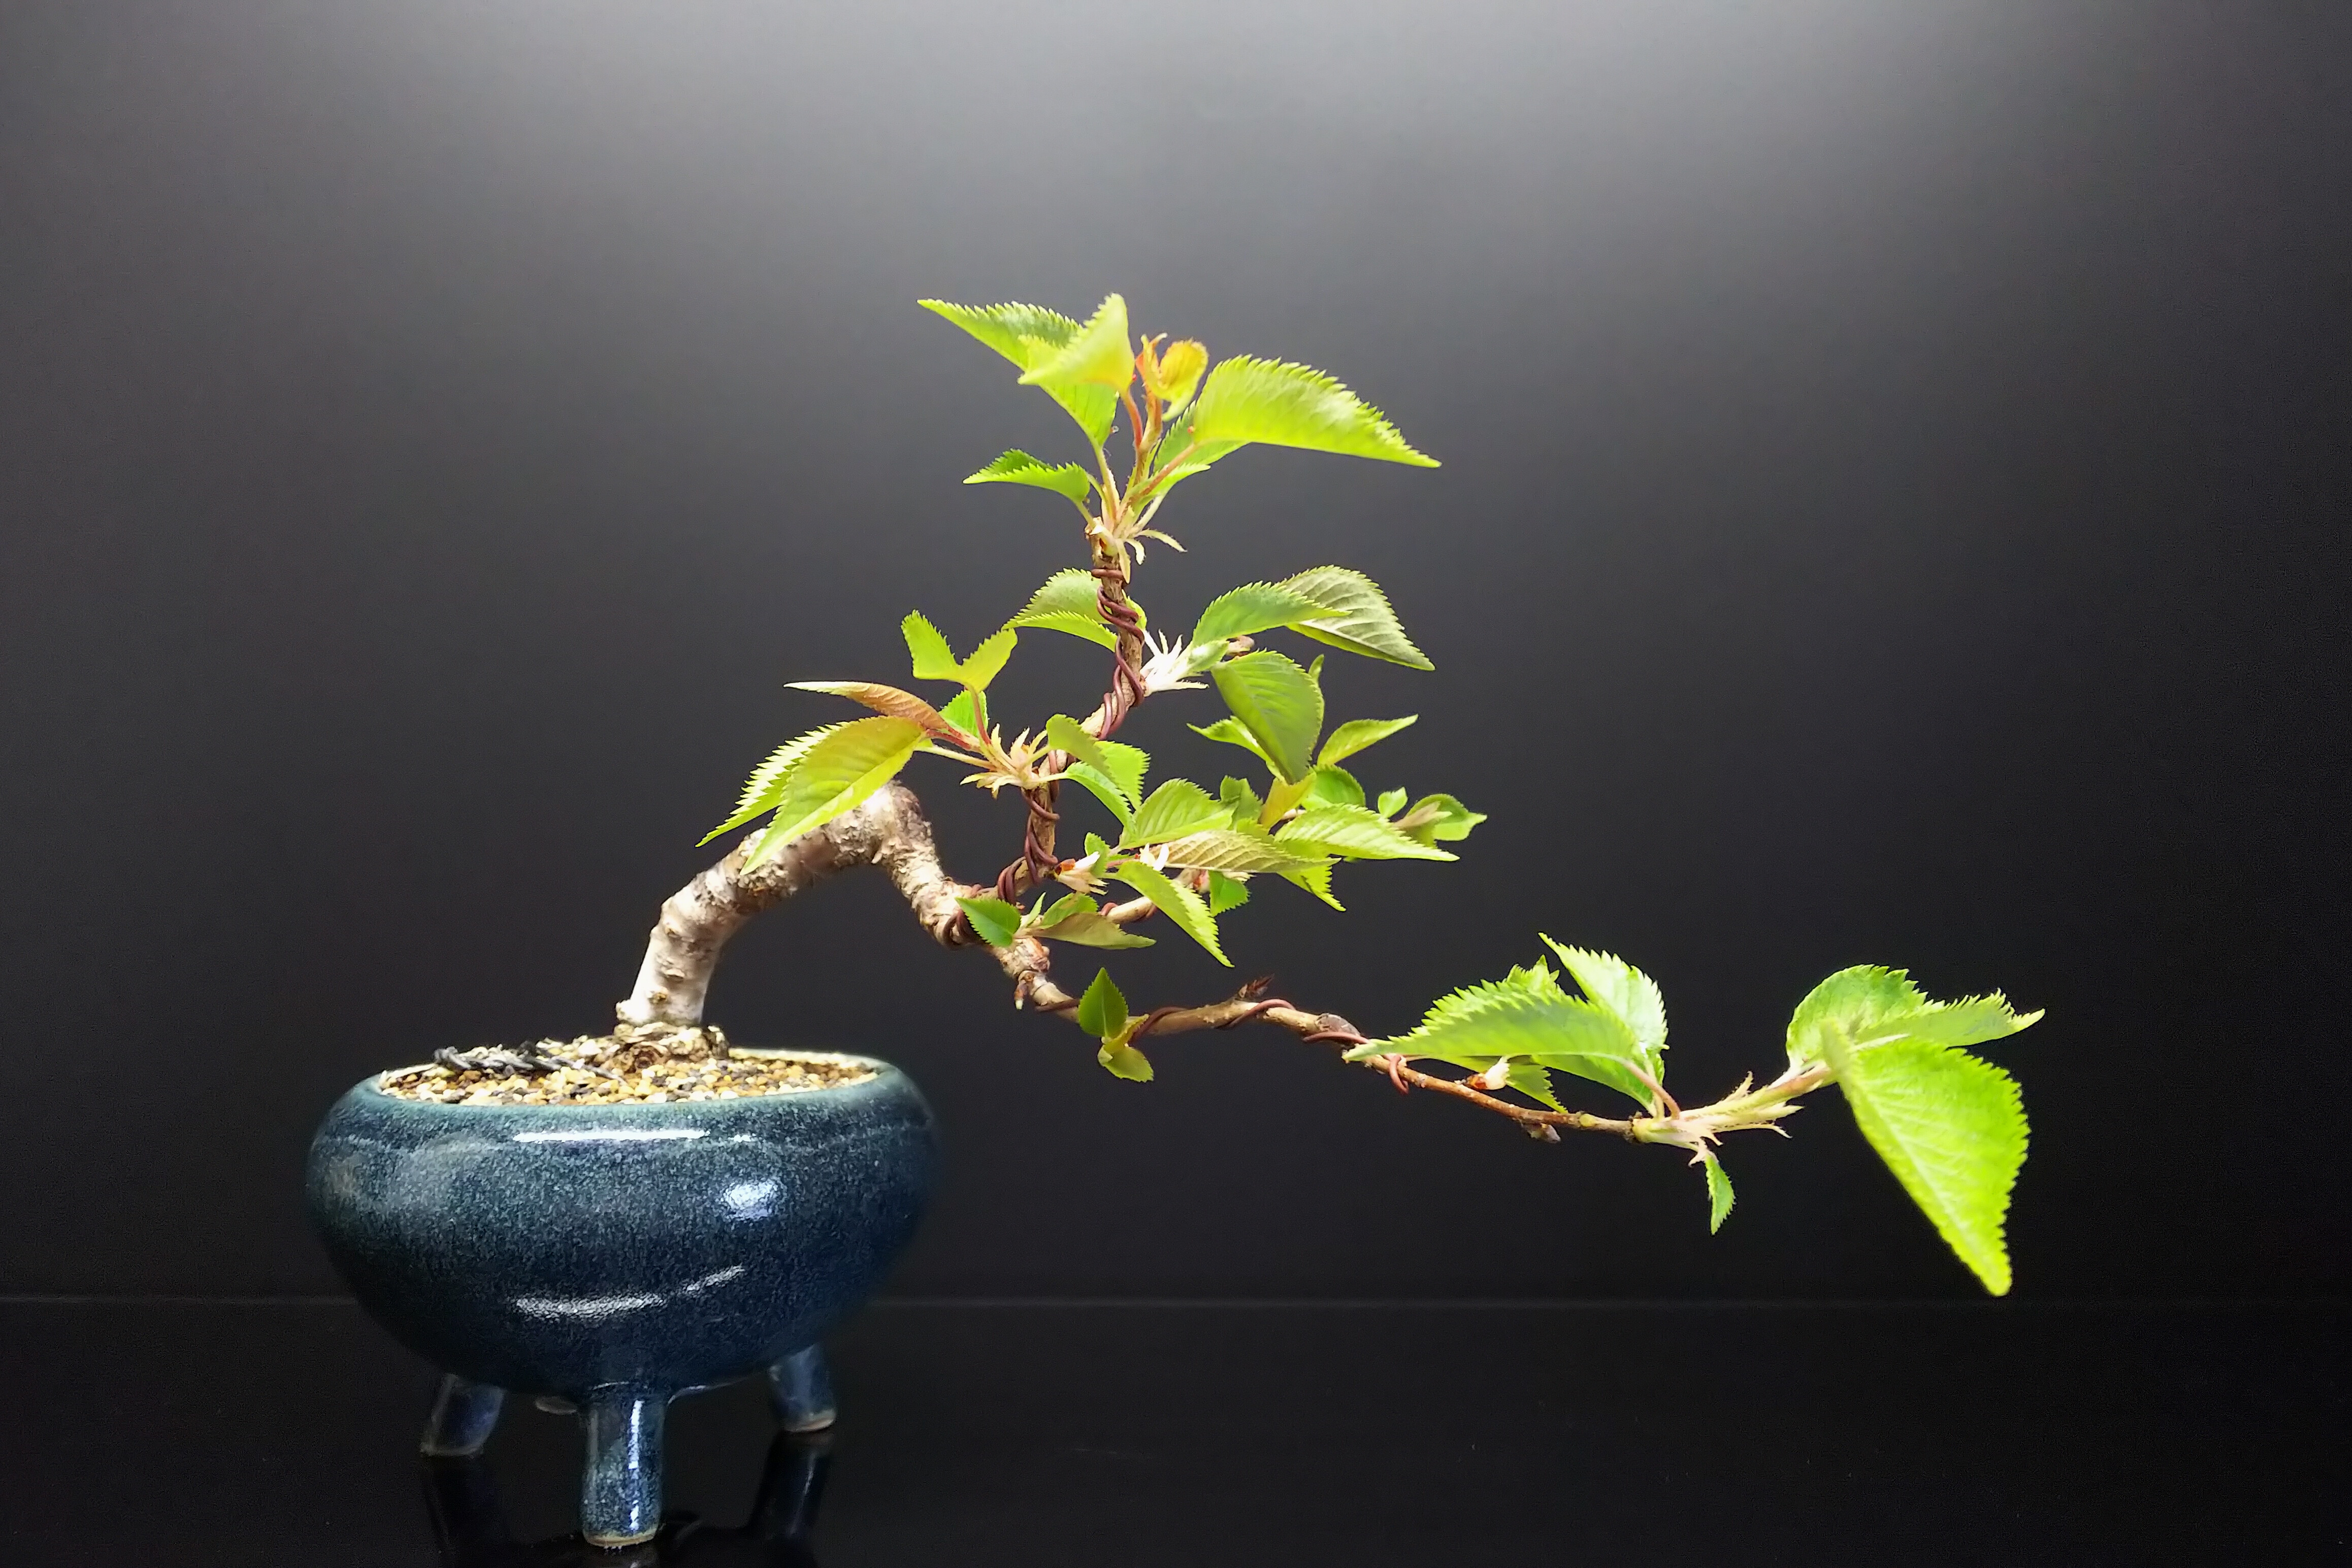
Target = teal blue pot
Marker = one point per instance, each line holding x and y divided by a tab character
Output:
614	1257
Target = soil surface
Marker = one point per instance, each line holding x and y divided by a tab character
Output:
650	1064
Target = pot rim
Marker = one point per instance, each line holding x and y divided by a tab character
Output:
373	1086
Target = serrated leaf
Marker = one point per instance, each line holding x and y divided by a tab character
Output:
988	659
1100	784
1358	734
933	659
1224	893
1236	850
1018	468
1876	1006
765	787
1534	1082
1048	916
1719	1192
886	700
1392	802
1951	1128
1124	766
1279	704
1068	602
1231	733
1352	833
1969	1022
1237	793
1179	903
1102	1011
1254	607
1525	1016
837	774
1100	353
1436	817
1330	784
1626	992
1090	929
963	712
1176	370
1064	734
1125	1061
1030	336
1285	405
1176	809
1316	881
995	921
1361	621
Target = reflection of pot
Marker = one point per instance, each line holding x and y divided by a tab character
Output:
614	1256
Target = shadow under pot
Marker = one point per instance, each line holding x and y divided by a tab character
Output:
614	1257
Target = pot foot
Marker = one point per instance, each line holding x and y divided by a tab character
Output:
800	1391
621	1484
463	1416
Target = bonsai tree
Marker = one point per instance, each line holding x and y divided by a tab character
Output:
1287	809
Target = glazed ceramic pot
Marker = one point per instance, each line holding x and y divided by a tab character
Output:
613	1257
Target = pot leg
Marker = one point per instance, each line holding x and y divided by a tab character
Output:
463	1415
799	1390
621	1487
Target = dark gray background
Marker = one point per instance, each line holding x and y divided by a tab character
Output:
1892	512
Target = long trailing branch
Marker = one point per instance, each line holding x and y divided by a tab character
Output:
891	831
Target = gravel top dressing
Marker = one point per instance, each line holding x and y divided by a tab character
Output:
650	1064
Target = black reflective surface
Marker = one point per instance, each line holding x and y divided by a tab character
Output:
1121	1436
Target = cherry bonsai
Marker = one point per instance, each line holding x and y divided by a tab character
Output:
1951	1126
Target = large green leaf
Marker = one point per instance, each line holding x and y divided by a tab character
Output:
993	920
1330	784
1018	468
1352	833
1282	405
1358	734
1100	353
1102	1011
1254	607
1625	991
1279	704
1068	602
765	787
1231	733
835	776
1077	919
1030	336
1950	1127
1176	809
1179	903
1236	850
1064	733
1524	1017
988	659
1361	622
1871	1007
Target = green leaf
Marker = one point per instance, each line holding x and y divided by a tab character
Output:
1068	602
1030	336
1224	893
838	774
1279	704
1231	733
1950	1127
1100	353
1625	991
1090	929
1179	903
1333	785
1102	1011
1254	607
1524	1017
883	699
1062	733
1719	1192
1176	809
934	659
1534	1082
995	921
1361	622
1352	833
765	787
1125	1061
1875	1007
1236	850
1099	784
1358	734
1317	882
1124	766
987	659
1436	817
1392	802
1049	915
1282	405
963	712
1018	468
1237	793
